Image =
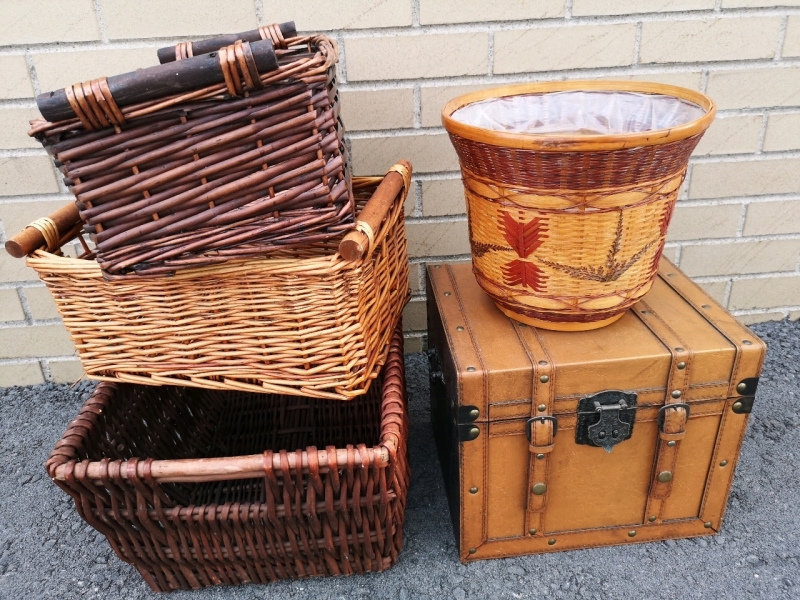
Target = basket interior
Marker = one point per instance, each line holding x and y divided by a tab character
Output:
168	423
580	113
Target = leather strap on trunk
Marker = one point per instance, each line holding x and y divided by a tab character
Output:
673	416
541	427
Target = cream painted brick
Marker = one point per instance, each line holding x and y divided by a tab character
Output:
413	56
768	218
378	109
687	79
413	277
59	69
557	48
14	269
671	253
702	222
783	132
412	344
794	315
731	135
17	215
759	318
21	374
434	98
27	175
749	178
445	197
700	40
765	293
427	153
16	83
41	303
65	371
582	8
716	289
42	21
755	88
415	316
480	11
14	128
437	239
10	307
736	259
30	342
791	43
155	18
758	3
323	15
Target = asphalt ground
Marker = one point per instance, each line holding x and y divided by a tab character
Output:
47	551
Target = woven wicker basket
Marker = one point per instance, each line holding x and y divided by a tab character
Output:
194	499
226	171
567	229
302	322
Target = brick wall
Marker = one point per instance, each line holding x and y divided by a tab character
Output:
737	227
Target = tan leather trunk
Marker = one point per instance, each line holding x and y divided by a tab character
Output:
554	441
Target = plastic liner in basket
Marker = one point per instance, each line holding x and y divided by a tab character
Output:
580	113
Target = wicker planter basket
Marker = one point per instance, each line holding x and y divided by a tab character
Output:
225	171
304	322
229	487
567	226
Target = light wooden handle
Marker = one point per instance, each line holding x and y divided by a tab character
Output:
356	243
30	238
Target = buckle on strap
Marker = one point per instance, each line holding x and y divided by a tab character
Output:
541	419
662	411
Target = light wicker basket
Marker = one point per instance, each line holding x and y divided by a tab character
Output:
567	229
305	322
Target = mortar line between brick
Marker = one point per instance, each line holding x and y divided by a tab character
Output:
742	219
259	4
781	38
417	93
762	132
568	9
726	297
637	44
101	22
415	13
26	307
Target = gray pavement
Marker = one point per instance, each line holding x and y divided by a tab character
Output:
47	551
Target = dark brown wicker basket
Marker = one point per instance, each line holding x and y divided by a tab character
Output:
198	488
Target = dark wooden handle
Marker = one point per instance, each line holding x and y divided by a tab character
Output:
356	243
167	55
159	81
30	238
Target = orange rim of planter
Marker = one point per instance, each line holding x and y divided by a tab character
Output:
579	143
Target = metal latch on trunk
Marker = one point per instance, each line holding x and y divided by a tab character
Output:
605	419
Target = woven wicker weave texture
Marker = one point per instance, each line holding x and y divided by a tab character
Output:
228	171
301	322
310	512
566	233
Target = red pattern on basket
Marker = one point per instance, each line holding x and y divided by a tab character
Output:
526	274
524	238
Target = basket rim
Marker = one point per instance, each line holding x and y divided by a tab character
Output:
579	143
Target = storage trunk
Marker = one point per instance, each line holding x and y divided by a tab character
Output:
554	441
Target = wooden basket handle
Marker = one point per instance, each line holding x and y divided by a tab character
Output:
194	48
358	242
45	232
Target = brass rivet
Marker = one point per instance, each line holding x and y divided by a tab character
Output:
447	293
544	379
632	533
670	274
541	408
737	406
459	328
678	349
472	550
706	306
540	456
532	531
473	490
723	463
665	476
474	413
651	518
707	524
645	312
543	363
676	394
681	365
747	342
551	542
470	369
741	388
538	489
671	443
473	433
